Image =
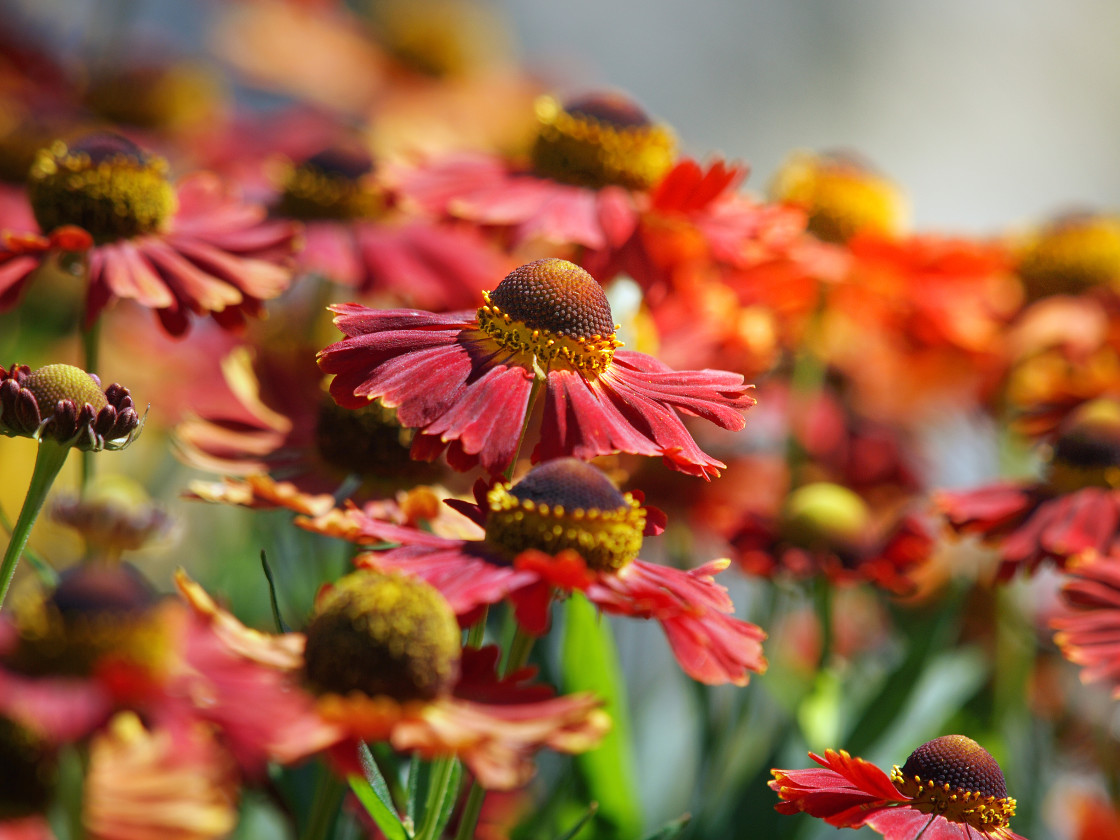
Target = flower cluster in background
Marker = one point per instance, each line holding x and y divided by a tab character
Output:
398	446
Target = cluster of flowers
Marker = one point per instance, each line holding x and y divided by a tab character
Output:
470	433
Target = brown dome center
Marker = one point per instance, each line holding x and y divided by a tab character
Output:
960	763
555	295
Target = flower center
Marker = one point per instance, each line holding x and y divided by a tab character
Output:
551	312
102	183
955	777
601	140
1087	451
366	441
382	635
96	613
333	184
30	769
841	195
566	504
1072	254
53	383
825	517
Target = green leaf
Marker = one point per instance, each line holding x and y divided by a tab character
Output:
376	780
671	829
386	818
280	625
578	827
419	773
590	663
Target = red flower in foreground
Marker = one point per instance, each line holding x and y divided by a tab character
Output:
1076	508
381	659
188	248
564	527
1089	634
949	789
465	380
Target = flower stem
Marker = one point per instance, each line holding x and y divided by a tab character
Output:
91	348
471	811
519	649
328	796
442	776
537	381
48	461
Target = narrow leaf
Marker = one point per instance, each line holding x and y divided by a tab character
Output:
578	827
280	625
386	818
671	829
590	663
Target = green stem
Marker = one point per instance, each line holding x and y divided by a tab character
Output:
518	653
328	797
471	811
48	461
822	592
477	632
91	347
537	381
444	769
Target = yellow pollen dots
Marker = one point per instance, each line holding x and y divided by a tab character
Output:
382	635
1071	254
981	811
841	196
542	349
600	141
334	184
102	183
606	539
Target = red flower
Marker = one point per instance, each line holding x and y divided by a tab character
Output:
354	237
191	248
1089	634
1075	508
282	441
466	383
433	698
565	527
949	789
594	160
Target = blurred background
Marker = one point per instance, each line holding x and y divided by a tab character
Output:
990	114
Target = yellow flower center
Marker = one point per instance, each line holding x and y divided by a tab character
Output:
52	383
102	183
1087	451
333	184
824	516
841	196
382	635
367	441
551	313
601	140
566	504
1070	255
96	613
954	777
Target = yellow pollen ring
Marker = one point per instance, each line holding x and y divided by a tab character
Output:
579	149
116	198
606	539
978	810
543	348
309	193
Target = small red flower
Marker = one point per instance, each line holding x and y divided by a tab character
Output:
183	249
466	382
1089	633
565	527
353	235
1075	508
594	161
949	789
